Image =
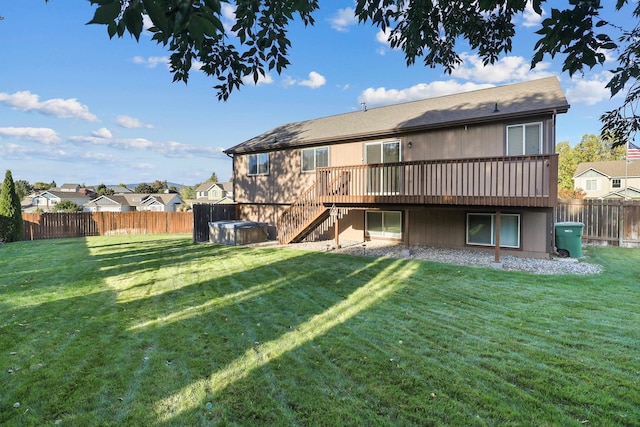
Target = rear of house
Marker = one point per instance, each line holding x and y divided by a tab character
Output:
461	171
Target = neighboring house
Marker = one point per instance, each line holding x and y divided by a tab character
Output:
447	171
214	192
46	200
70	188
613	179
119	189
135	202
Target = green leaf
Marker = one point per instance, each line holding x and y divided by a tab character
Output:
133	21
156	11
106	13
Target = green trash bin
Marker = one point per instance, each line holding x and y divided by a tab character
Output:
569	239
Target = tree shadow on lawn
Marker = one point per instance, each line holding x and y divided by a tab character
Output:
95	358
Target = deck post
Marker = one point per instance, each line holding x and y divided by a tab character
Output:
407	245
337	231
496	261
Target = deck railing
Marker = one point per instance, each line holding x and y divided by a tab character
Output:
518	181
301	216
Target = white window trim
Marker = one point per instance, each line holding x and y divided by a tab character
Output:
493	231
381	143
383	234
523	125
593	180
257	156
366	161
315	158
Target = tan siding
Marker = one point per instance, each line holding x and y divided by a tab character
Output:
442	227
286	181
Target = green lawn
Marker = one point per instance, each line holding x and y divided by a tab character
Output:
154	330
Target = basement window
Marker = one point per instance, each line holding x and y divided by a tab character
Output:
481	230
387	224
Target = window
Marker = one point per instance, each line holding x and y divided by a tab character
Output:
313	158
383	224
524	139
383	179
591	184
481	230
259	164
615	183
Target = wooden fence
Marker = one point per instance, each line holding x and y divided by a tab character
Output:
205	213
56	225
607	222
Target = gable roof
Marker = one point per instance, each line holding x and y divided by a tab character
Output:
610	168
623	193
205	186
137	199
543	96
63	195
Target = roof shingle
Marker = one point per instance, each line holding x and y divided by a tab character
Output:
517	100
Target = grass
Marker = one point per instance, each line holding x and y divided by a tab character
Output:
154	330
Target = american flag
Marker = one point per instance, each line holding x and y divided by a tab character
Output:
633	152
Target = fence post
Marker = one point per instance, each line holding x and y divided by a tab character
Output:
621	224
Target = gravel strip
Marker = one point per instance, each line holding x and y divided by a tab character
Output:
455	256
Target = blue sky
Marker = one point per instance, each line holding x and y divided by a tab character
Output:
77	107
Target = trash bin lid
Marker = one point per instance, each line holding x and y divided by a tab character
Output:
569	224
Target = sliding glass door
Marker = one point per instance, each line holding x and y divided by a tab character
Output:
383	179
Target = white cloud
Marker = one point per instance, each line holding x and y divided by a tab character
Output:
228	16
383	36
42	135
56	107
102	133
373	97
131	122
343	19
507	69
262	80
170	149
152	61
531	17
591	91
314	81
22	152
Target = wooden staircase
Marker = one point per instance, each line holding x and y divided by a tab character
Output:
307	213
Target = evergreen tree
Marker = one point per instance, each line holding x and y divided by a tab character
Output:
10	211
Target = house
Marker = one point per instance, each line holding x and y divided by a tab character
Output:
46	200
70	188
214	192
119	189
464	171
135	202
613	179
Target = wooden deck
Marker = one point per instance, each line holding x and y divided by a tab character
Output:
515	181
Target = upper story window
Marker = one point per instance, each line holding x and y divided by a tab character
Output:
592	184
312	158
524	139
615	183
259	164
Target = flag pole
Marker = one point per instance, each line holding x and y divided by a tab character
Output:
626	172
